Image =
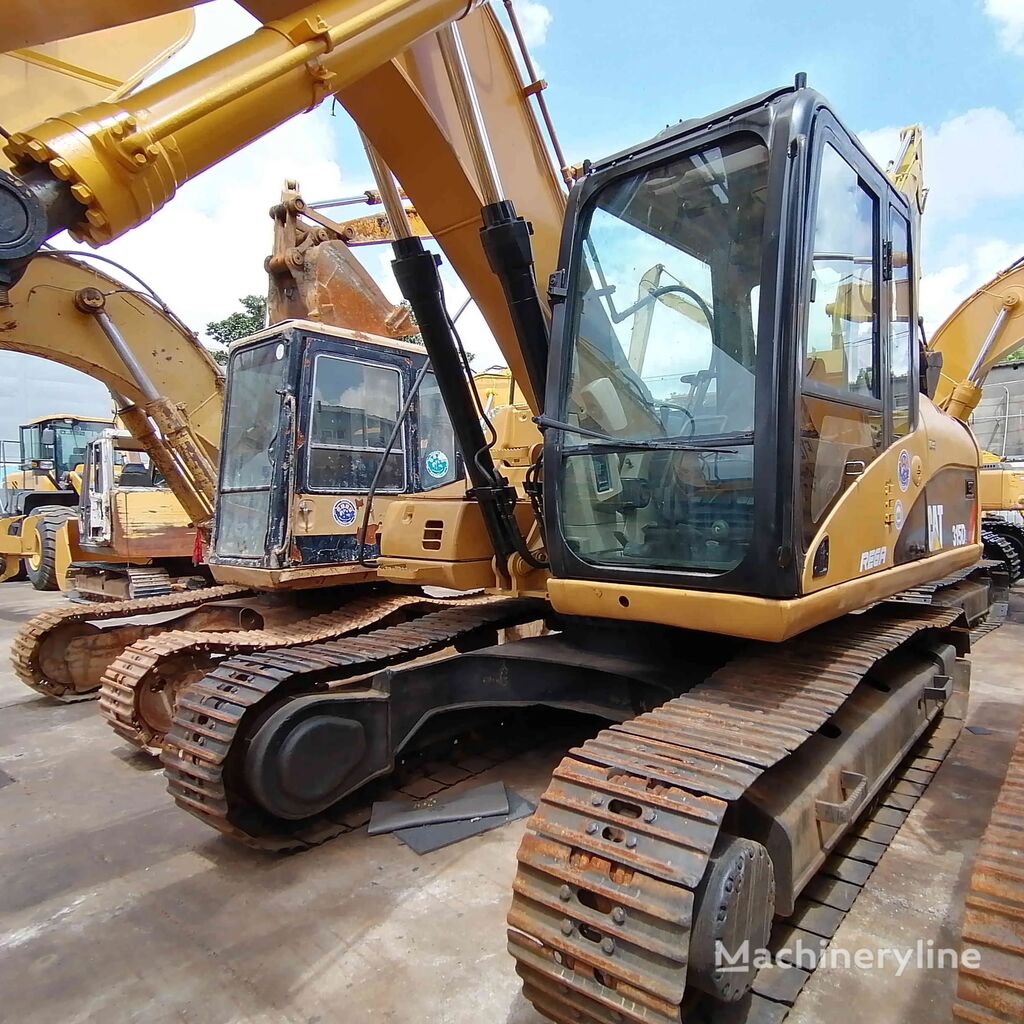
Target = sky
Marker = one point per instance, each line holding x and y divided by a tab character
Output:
619	73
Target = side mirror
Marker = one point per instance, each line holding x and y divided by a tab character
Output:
48	436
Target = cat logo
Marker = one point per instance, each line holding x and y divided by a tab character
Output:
935	514
872	559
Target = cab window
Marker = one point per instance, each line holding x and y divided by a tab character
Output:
902	353
355	409
841	411
842	320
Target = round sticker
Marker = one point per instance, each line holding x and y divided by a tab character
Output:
897	515
437	464
903	470
344	512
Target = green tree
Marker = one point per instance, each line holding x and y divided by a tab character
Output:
251	319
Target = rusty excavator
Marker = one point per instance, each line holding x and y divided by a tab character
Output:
751	523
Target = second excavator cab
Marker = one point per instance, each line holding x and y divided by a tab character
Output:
310	414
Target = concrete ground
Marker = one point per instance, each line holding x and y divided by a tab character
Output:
116	906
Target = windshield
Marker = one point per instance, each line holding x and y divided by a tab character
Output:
355	409
67	447
251	424
664	347
251	418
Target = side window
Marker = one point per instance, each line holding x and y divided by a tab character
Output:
842	325
841	429
901	320
436	437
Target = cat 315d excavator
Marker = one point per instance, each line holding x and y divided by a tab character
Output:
755	540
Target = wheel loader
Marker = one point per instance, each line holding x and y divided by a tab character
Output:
37	498
754	537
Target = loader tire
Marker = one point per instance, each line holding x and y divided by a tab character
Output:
42	569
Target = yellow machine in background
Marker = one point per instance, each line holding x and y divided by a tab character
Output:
91	514
51	453
38	497
131	538
167	391
986	327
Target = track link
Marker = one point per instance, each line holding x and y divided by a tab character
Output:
603	900
211	715
29	649
139	670
994	915
1001	549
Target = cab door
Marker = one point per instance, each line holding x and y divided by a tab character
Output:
842	427
97	480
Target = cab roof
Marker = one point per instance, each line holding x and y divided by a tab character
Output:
54	417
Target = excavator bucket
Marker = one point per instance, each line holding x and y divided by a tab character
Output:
328	284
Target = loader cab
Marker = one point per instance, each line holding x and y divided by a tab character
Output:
57	444
52	449
732	333
309	414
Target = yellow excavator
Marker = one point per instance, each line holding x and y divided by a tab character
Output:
735	459
355	377
993	314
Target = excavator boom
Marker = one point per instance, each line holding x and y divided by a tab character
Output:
153	365
982	331
101	170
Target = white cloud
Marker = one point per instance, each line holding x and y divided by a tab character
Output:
1009	17
971	164
970	159
534	19
944	289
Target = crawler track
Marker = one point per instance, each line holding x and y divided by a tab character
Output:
211	716
137	691
600	927
40	651
1001	548
994	915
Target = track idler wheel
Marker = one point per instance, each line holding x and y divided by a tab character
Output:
735	905
303	759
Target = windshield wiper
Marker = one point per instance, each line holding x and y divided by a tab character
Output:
610	443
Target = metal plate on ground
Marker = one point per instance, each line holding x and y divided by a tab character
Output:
427	838
403	813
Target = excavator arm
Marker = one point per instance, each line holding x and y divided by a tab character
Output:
986	327
168	389
103	169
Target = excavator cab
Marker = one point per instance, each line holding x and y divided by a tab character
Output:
309	421
731	368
